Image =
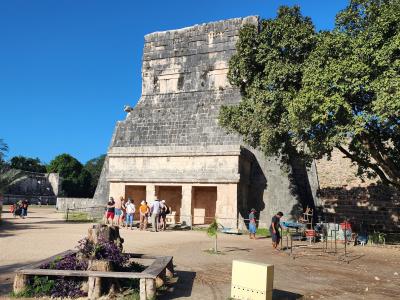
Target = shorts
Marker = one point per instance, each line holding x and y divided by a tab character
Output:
276	237
110	215
252	228
118	212
129	219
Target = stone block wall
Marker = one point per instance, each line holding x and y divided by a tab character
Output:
366	203
375	207
74	203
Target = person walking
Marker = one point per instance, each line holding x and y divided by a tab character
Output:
155	214
274	229
130	212
252	224
110	211
143	215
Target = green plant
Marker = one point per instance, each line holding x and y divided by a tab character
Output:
377	238
212	231
42	285
26	293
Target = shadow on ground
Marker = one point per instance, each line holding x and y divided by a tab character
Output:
284	295
9	228
7	277
182	288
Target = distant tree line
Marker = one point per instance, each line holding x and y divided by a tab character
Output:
79	180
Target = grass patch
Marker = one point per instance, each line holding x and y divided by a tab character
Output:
202	229
78	217
263	232
211	251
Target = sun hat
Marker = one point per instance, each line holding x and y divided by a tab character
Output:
143	202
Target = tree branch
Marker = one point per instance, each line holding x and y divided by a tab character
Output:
372	166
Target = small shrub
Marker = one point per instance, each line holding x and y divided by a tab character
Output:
68	287
103	250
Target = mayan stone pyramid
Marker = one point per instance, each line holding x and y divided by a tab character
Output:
170	144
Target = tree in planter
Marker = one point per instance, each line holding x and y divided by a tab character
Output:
307	93
212	231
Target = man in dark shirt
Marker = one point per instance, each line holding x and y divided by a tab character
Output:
274	229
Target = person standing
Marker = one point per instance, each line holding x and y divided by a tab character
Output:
143	215
110	211
130	212
123	211
164	210
24	209
274	229
118	210
252	224
155	214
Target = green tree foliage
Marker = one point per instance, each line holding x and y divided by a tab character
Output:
3	151
27	164
268	68
7	175
76	180
94	167
309	93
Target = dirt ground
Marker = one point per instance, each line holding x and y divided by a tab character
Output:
373	273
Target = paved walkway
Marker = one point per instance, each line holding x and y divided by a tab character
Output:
205	276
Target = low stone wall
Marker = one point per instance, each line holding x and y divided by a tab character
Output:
33	199
374	207
75	203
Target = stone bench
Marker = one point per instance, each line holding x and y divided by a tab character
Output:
151	278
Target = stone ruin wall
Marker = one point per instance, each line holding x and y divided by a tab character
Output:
343	195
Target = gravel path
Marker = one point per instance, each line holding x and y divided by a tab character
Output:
205	276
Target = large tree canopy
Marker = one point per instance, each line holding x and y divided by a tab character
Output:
308	93
94	167
27	164
76	180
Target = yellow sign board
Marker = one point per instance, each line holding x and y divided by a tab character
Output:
252	280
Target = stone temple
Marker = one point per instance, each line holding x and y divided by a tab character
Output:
171	147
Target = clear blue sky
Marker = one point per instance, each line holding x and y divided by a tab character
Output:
68	67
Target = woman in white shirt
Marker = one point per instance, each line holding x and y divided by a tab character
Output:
130	212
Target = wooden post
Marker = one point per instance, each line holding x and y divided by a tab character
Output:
169	270
150	288
147	288
160	281
94	284
21	281
143	289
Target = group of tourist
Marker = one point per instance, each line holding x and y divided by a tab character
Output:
121	212
20	209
